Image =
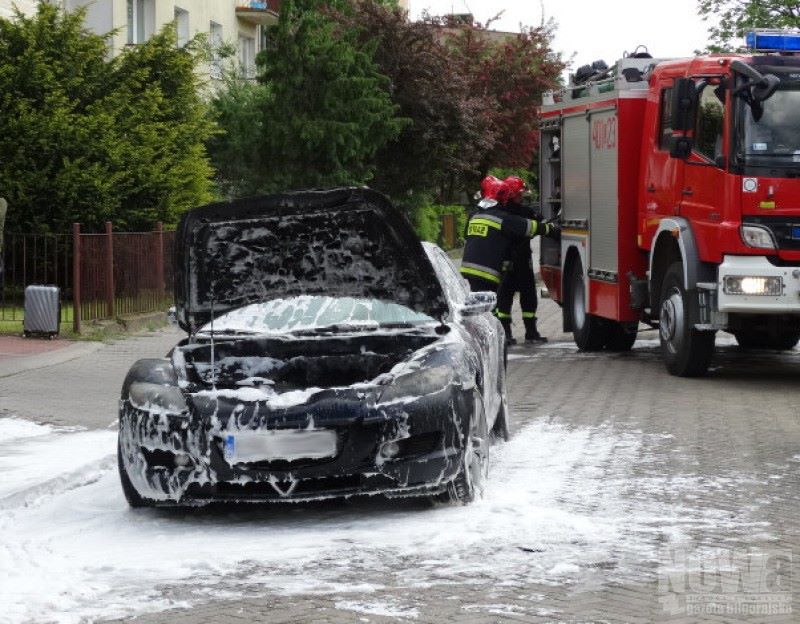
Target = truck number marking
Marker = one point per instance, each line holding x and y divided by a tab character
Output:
604	133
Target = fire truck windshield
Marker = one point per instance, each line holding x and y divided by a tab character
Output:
771	139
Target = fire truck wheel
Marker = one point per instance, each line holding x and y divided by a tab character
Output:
686	350
620	337
590	332
754	339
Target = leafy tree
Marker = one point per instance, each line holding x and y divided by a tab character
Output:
444	137
730	19
328	111
84	138
238	110
510	74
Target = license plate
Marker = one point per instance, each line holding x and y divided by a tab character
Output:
287	445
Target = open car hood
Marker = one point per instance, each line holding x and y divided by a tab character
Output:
348	242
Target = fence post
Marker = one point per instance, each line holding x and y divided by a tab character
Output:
449	230
160	259
76	277
109	270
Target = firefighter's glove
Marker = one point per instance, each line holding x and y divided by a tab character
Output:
551	230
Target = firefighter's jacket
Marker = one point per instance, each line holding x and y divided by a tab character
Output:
491	232
520	252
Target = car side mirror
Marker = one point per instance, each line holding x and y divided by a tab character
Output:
478	303
684	105
172	316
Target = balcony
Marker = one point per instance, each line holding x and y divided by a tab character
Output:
263	12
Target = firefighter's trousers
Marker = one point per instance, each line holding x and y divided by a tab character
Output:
520	278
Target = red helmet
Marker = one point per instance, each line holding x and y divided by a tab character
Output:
490	187
516	186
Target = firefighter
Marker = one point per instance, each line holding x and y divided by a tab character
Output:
518	275
491	232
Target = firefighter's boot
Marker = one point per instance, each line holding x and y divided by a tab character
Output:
532	334
506	322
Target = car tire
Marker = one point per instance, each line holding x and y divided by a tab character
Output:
471	477
589	331
686	351
754	339
620	338
131	495
502	428
502	425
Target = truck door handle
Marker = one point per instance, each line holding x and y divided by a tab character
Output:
651	188
687	192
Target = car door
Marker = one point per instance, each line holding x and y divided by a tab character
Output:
482	331
704	189
663	175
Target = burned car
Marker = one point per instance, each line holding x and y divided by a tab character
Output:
328	354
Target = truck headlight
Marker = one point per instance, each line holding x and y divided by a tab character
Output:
758	237
156	398
753	285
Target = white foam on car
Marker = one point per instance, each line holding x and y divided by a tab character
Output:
558	503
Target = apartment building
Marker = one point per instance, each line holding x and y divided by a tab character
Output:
240	22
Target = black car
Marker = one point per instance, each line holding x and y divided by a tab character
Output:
329	354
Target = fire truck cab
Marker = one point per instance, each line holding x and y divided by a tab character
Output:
677	184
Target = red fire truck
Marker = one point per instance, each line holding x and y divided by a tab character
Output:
677	183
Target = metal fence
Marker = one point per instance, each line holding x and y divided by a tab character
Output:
33	259
101	275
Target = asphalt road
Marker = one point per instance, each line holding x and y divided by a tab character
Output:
682	495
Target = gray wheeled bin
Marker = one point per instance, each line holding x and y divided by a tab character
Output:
42	310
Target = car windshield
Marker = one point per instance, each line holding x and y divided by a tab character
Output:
316	313
773	139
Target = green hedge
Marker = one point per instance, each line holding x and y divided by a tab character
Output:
428	223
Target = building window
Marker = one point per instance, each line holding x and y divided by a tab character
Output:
247	56
216	40
182	26
141	20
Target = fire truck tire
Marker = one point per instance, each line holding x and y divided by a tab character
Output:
589	331
686	351
754	339
620	338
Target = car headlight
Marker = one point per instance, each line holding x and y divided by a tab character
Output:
152	397
753	285
421	382
758	237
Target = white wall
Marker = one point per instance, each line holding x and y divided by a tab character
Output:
26	6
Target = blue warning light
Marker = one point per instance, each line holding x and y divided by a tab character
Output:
773	40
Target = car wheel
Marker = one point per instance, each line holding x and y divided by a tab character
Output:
589	331
131	495
620	337
754	339
474	469
502	424
687	351
502	428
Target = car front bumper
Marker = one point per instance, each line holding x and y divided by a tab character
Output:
181	459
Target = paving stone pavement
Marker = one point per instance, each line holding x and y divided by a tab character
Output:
82	391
